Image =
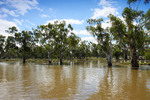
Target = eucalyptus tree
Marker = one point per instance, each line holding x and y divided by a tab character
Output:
147	54
12	30
146	17
61	35
39	52
146	21
89	49
53	37
131	34
73	42
117	51
10	45
2	44
46	35
26	40
83	49
11	48
118	29
95	49
103	37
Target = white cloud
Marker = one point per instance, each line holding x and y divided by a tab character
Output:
1	2
3	16
44	16
89	39
68	21
73	21
121	18
50	9
10	12
5	25
106	2
104	12
22	6
81	32
84	32
30	22
107	8
18	21
106	24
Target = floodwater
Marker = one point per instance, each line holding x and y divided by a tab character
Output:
85	81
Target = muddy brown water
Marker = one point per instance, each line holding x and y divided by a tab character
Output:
90	80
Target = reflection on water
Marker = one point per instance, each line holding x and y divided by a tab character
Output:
88	80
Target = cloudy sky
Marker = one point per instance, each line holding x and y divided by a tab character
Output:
27	14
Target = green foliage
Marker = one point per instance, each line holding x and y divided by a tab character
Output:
147	54
2	40
134	36
147	20
102	36
117	52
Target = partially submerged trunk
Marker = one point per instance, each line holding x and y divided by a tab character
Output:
61	62
117	57
24	60
109	60
126	54
61	58
134	60
24	57
109	56
49	61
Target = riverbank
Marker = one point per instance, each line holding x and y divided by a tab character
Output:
75	61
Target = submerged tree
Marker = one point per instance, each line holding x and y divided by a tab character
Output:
117	31
46	34
26	40
103	37
2	41
54	37
73	42
134	35
62	32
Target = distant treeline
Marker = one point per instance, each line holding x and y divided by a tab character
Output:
52	41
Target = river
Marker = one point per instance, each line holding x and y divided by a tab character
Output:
89	80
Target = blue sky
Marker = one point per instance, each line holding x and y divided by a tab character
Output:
27	14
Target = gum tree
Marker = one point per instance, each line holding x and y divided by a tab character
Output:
133	35
25	39
2	42
103	37
46	34
73	42
62	30
10	47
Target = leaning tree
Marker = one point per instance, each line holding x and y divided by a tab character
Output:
103	37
